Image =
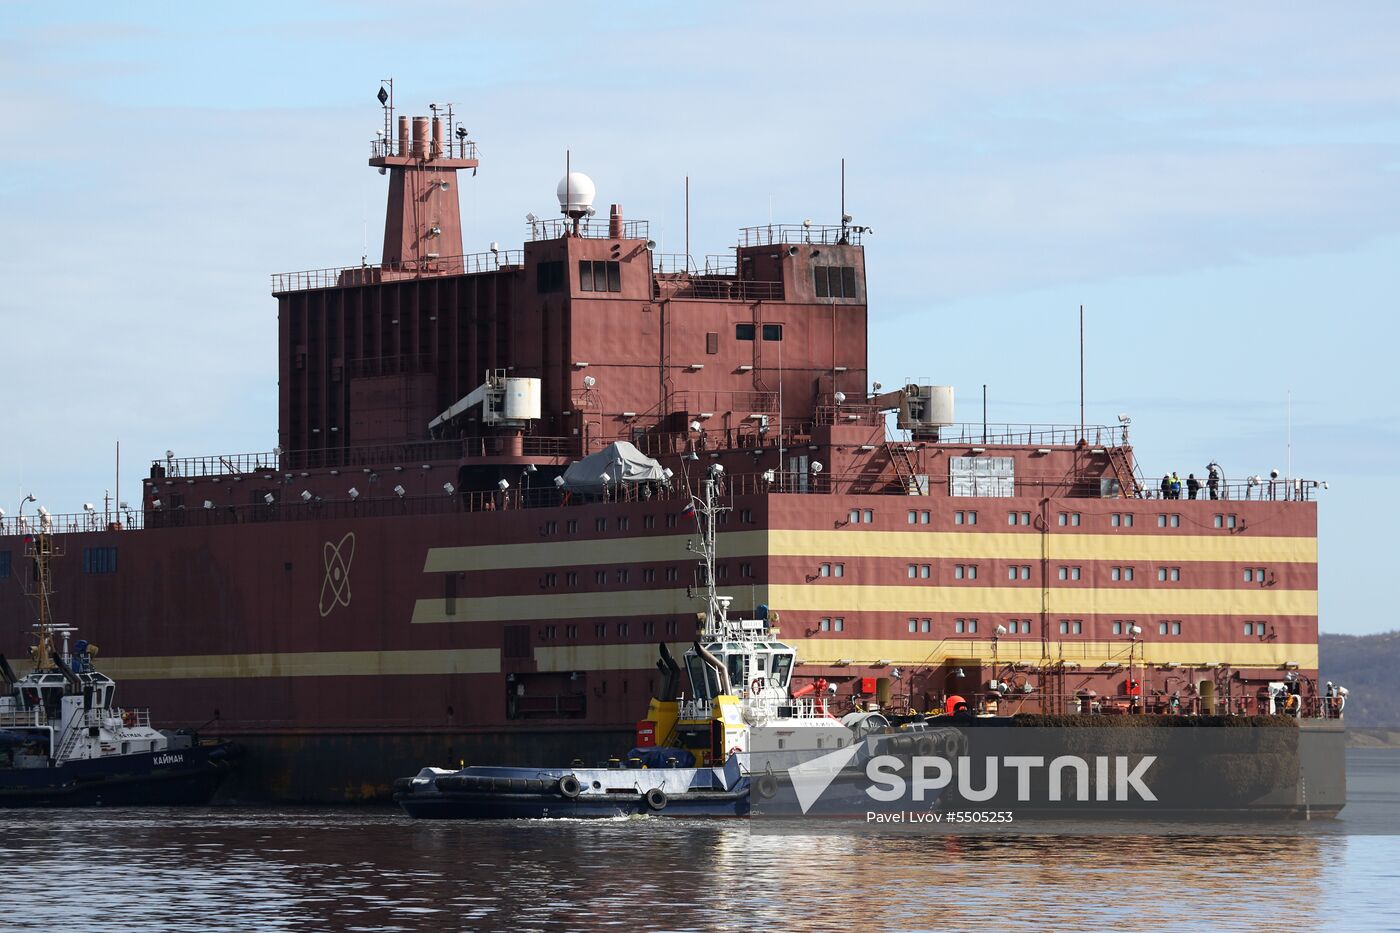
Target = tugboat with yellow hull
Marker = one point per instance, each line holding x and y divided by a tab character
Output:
65	743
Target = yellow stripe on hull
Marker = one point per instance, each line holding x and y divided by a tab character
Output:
305	664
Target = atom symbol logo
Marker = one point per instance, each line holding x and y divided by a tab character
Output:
335	589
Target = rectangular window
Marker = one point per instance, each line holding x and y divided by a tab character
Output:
957	518
1174	574
1161	574
1012	571
972	518
834	281
1062	519
648	628
869	516
924	570
1074	573
622	629
1161	520
1025	571
1249	628
1249	574
1219	521
571	631
1229	521
672	574
1115	573
1118	627
571	526
854	517
623	523
923	518
600	630
600	577
838	625
744	331
913	625
824	570
1127	520
913	571
838	570
648	521
599	276
1175	521
1176	628
1064	573
746	570
824	625
649	574
1127	573
925	625
622	575
1074	518
913	516
600	524
959	571
672	627
549	277
772	332
571	578
99	560
1011	518
1115	519
712	343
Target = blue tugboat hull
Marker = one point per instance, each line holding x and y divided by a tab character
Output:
180	777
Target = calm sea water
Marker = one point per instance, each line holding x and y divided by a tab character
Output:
356	869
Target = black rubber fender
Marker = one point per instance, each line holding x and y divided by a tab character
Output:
925	745
655	799
766	786
403	785
568	787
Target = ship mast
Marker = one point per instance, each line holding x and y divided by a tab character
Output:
716	606
41	549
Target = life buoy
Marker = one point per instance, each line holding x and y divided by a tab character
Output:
656	798
128	719
757	685
569	787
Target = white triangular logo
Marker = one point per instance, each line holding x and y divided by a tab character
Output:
811	778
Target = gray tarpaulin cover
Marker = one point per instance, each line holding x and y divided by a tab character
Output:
620	460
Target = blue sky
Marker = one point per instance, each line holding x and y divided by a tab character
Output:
1216	183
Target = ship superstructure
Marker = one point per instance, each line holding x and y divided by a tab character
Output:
405	575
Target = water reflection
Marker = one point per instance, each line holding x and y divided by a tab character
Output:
358	870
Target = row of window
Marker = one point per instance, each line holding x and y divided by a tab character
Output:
600	630
968	626
598	275
1068	519
624	575
835	281
770	332
624	522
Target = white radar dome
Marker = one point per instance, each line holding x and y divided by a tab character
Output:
576	192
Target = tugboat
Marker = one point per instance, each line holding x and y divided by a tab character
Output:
64	742
738	733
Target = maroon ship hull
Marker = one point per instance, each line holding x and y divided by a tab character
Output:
403	582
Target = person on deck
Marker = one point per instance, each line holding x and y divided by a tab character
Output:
1176	486
1213	483
1166	487
1193	486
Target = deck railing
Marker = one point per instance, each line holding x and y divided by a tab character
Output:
784	234
366	274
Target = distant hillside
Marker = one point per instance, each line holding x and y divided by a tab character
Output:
1368	666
